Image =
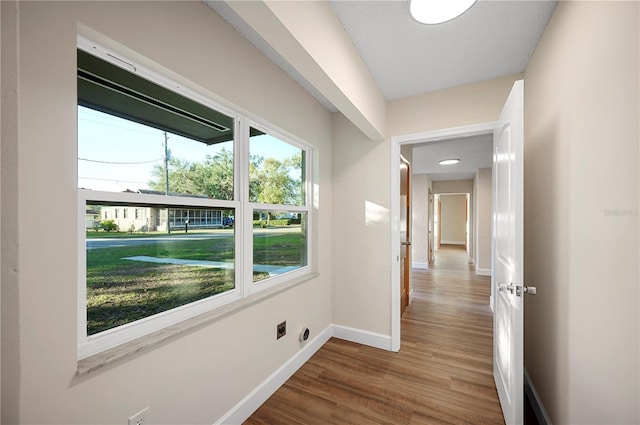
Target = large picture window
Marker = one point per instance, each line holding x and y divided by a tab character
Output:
173	221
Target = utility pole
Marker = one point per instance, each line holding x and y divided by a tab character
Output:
166	164
166	175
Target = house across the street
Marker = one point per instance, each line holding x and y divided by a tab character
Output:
136	218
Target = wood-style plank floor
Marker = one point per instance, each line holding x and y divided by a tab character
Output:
442	374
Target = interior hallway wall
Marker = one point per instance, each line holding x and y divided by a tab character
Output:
482	213
453	219
420	213
443	187
581	213
361	233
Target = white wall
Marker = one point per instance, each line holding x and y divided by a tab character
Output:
421	183
482	213
361	176
8	135
193	378
452	186
453	219
361	230
1	137
581	214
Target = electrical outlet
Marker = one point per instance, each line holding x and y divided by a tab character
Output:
281	330
140	418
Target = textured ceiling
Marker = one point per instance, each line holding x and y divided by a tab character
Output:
492	39
474	152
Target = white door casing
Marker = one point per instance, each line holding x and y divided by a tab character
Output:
508	365
396	142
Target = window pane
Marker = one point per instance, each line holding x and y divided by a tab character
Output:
276	171
135	268
279	243
118	155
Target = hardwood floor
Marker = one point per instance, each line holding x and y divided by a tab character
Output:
443	373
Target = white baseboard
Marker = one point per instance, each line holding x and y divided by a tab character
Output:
443	242
421	266
483	272
538	408
371	339
250	403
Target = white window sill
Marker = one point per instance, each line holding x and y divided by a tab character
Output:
112	355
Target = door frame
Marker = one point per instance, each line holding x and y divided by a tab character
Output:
396	143
405	270
430	225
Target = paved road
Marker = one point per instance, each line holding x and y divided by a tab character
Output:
120	242
95	243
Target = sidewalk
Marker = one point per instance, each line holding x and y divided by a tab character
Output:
262	268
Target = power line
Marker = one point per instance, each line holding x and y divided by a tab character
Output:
122	127
112	180
120	163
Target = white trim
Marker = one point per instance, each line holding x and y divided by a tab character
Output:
395	246
252	401
536	402
491	302
251	207
155	200
372	339
122	60
445	133
396	141
411	296
483	272
278	207
244	287
421	266
270	282
445	242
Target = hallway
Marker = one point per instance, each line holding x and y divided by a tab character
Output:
443	373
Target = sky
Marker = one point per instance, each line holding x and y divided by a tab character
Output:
115	154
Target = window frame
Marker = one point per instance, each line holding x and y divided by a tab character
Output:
244	287
255	287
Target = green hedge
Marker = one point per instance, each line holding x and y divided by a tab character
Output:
275	223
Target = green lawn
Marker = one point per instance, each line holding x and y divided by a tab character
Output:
122	291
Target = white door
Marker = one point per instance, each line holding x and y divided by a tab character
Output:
508	367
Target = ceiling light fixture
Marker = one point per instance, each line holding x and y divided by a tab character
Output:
438	11
450	161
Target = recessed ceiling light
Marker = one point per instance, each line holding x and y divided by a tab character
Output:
450	161
438	11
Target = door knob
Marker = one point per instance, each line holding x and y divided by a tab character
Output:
531	290
407	243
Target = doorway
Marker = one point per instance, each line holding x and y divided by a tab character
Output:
453	219
451	134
